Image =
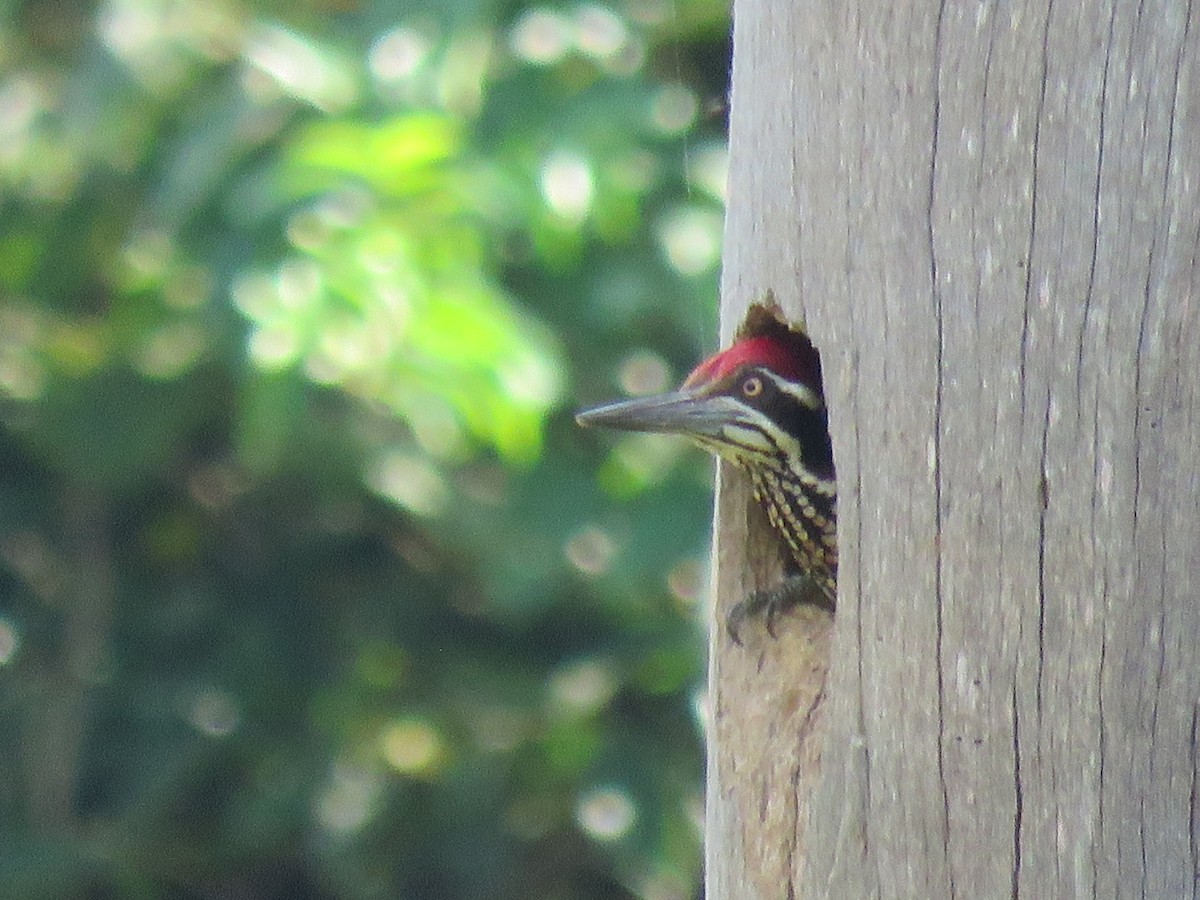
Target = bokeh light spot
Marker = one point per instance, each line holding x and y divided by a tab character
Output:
605	814
412	746
412	482
397	55
254	295
691	238
274	348
349	800
583	687
171	350
674	109
541	37
345	346
298	284
131	30
529	379
643	372
600	32
591	550
567	186
214	712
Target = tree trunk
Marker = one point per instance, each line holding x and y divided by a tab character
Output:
990	216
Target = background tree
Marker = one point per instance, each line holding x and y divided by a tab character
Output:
308	584
991	217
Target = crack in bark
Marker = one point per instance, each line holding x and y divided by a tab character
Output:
939	399
862	724
1019	800
1193	850
1033	203
1101	749
1091	280
1041	565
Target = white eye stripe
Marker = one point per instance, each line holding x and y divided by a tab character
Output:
801	393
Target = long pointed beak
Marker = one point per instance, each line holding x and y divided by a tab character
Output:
687	412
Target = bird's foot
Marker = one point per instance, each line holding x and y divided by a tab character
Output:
771	603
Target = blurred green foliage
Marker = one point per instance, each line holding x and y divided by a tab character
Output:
309	585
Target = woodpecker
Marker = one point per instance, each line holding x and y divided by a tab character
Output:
760	405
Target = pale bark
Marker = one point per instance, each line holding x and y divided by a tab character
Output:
989	215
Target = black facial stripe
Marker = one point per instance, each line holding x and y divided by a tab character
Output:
809	426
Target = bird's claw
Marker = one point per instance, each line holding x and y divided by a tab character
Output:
771	603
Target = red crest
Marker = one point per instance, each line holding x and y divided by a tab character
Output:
787	354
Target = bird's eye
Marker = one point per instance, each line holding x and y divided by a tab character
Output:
752	386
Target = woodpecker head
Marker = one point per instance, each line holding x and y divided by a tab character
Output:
760	405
